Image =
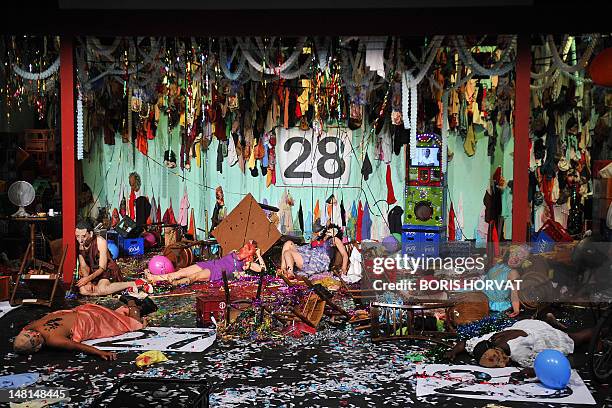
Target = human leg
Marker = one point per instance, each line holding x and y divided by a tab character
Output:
105	287
180	274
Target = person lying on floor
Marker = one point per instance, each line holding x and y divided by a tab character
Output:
316	257
521	343
99	273
232	264
66	329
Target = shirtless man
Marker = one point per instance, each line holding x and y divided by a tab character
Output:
66	329
99	274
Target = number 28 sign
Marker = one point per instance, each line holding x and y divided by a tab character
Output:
307	159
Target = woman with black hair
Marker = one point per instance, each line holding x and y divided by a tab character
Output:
316	257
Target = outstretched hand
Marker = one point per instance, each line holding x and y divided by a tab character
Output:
107	355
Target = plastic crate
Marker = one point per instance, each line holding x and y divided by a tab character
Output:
131	246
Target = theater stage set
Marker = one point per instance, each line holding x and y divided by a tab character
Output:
183	131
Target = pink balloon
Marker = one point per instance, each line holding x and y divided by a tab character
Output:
160	265
149	239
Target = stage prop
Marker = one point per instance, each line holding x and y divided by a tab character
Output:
247	221
192	340
465	381
309	159
424	206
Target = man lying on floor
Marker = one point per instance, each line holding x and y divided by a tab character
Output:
521	343
66	329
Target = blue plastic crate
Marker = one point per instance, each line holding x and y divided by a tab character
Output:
131	246
420	243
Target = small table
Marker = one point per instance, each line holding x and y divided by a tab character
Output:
32	221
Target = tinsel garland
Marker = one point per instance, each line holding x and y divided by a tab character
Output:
409	109
272	70
492	323
558	62
225	63
37	76
468	59
444	131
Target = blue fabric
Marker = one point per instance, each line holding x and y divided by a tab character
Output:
499	300
317	259
366	223
18	380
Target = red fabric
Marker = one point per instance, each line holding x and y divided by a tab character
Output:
359	220
495	240
390	193
115	218
169	215
451	223
192	227
97	322
497	175
141	142
159	216
132	205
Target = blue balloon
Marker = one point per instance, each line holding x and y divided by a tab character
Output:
553	369
113	249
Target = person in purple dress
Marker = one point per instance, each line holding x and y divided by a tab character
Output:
315	258
246	258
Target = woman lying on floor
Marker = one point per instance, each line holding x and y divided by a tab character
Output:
316	257
235	261
521	343
66	329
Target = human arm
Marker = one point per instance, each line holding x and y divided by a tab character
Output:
83	272
514	297
103	262
457	349
258	266
65	343
341	248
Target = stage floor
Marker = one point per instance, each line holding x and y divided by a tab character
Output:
334	368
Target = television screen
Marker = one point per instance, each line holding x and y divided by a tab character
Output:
427	157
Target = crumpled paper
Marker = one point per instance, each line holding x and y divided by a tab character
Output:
150	357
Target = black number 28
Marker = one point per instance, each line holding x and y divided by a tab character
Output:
325	156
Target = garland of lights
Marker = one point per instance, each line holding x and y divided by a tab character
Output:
37	76
409	108
79	126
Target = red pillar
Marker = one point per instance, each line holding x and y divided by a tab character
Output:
69	209
520	206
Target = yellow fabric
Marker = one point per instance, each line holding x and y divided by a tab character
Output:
470	142
198	147
150	357
252	157
303	98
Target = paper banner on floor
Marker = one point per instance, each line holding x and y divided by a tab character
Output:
6	307
476	382
192	340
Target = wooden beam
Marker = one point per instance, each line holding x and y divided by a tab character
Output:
520	205
69	209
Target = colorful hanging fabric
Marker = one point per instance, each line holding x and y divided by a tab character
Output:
169	217
451	224
192	227
301	217
308	226
390	193
366	223
184	209
132	204
159	214
317	212
359	230
153	211
115	218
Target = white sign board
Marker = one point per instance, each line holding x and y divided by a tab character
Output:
307	159
466	381
193	340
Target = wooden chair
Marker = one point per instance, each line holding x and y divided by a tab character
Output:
399	322
44	282
237	306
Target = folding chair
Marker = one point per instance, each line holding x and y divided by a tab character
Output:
44	282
